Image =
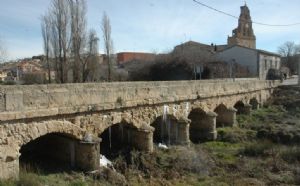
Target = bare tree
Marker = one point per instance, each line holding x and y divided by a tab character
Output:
91	64
3	51
108	42
93	42
78	37
46	33
60	21
66	40
54	51
288	51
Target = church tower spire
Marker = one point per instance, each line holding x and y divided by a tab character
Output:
243	35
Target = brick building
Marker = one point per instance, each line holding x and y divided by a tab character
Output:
125	57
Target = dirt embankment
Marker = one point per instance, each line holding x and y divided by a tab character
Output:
287	96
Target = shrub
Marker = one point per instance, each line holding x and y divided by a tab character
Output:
174	70
79	183
7	183
296	138
262	133
192	160
225	153
10	82
291	155
143	162
119	101
257	149
120	164
284	136
297	176
29	179
108	175
280	134
33	78
235	135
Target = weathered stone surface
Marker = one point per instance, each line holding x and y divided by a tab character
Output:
49	100
75	110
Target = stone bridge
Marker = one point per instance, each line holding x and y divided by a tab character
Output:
73	123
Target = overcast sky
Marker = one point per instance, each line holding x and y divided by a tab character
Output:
153	25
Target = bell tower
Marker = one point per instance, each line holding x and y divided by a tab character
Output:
243	35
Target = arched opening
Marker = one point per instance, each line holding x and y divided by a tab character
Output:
243	108
240	107
254	103
118	139
51	153
203	125
221	110
226	117
166	130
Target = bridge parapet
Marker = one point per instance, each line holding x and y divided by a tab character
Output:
19	102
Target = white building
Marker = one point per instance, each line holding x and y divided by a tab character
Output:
258	62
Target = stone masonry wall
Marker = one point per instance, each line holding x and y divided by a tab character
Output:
75	110
20	102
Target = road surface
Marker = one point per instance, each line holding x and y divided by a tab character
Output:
291	81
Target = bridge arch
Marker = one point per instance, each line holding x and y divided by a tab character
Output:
36	130
116	139
167	129
225	116
57	141
203	125
242	107
51	152
122	137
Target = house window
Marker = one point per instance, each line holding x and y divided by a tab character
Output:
266	64
271	64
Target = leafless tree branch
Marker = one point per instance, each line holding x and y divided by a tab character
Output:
108	42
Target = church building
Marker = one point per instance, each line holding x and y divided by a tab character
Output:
241	49
243	35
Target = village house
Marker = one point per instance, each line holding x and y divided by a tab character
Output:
3	75
240	51
258	62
